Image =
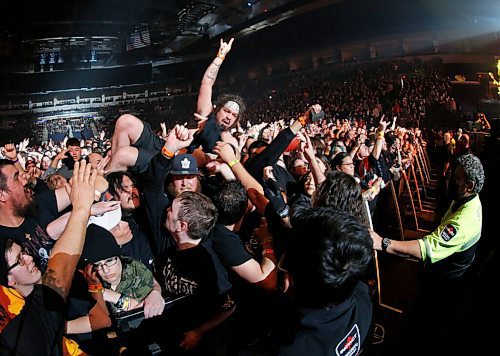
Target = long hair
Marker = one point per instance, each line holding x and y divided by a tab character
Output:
342	192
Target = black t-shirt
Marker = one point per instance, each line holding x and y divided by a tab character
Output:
337	331
31	233
138	248
228	246
38	329
156	202
195	272
40	187
79	303
251	221
208	137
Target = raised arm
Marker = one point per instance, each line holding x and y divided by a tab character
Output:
377	149
9	151
204	106
68	248
318	176
227	154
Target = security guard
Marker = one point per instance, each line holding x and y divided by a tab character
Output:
449	251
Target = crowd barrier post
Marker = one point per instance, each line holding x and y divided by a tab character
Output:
410	194
424	164
417	188
428	161
421	173
377	266
398	212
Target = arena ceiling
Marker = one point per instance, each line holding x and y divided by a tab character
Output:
185	27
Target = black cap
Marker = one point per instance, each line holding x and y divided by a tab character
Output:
184	164
100	244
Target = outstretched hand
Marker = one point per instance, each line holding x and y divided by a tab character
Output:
83	186
9	151
179	138
225	151
225	47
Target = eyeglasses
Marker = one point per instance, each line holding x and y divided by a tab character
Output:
110	262
305	165
19	260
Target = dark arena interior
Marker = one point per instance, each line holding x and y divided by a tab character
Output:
226	177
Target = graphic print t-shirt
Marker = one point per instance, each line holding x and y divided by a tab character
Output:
31	233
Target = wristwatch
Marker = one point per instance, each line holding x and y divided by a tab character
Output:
385	243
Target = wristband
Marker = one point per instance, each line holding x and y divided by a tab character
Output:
15	160
380	134
221	56
166	153
126	303
267	251
233	162
96	288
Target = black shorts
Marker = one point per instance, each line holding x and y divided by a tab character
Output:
148	146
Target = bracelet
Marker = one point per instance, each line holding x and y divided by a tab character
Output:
96	288
267	251
166	153
126	303
233	162
15	160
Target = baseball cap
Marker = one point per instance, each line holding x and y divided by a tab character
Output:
184	164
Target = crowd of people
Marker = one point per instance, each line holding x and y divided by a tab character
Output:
254	226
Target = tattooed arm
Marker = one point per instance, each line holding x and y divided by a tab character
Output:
68	248
204	106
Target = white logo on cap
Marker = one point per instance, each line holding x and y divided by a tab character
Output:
185	163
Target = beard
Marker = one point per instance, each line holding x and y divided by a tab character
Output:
27	209
173	192
126	212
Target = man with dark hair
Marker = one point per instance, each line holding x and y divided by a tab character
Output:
231	201
68	156
134	143
341	192
23	217
333	306
122	187
229	108
447	253
450	249
39	327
